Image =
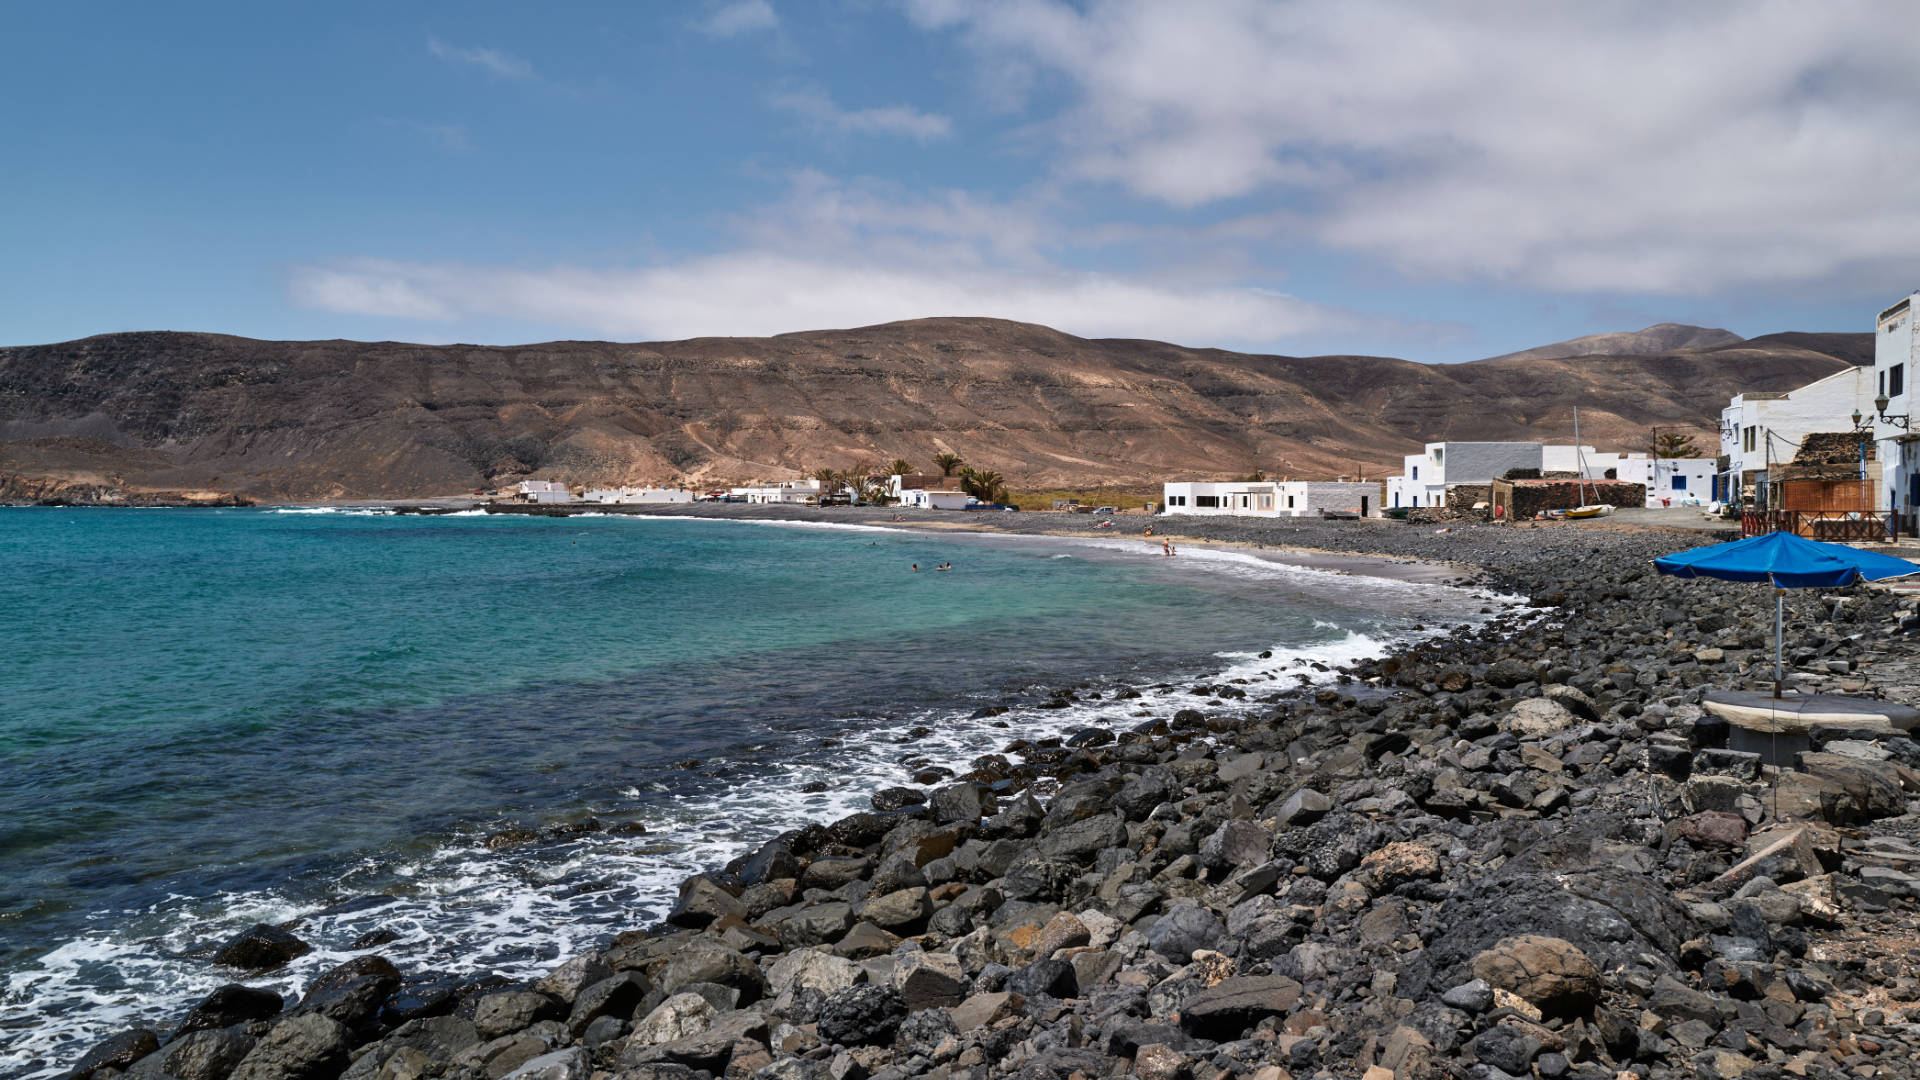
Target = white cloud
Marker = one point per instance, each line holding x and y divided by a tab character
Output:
820	111
742	17
835	255
758	293
491	61
1637	146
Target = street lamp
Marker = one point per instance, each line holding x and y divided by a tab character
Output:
1880	406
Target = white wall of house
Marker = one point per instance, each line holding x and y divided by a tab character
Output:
637	495
1254	498
790	492
1306	498
1669	481
1896	354
923	499
1758	428
1424	478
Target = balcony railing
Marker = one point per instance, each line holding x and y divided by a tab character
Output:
1836	526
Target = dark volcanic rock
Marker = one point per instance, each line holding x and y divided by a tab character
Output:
1230	1007
260	948
862	1015
230	1004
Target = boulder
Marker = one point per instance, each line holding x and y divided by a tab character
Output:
566	981
569	1064
304	1047
702	900
1184	927
982	1010
862	1015
864	941
616	996
210	1054
1081	840
897	910
812	969
1229	1007
702	961
260	948
833	872
1538	718
961	804
818	924
1509	673
1303	807
116	1052
510	1010
230	1004
1550	973
1237	842
929	980
675	1018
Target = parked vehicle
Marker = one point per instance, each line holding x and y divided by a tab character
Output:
1104	510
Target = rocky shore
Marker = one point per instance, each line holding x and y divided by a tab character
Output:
1518	850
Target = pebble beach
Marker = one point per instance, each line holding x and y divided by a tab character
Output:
1520	848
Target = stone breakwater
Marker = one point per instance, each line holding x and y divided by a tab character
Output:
1521	850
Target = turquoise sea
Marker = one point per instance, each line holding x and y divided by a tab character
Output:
210	718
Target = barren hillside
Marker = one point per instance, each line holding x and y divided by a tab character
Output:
314	419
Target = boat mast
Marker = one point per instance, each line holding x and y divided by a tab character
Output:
1579	457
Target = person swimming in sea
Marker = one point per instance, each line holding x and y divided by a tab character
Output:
916	566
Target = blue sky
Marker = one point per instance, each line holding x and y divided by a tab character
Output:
1440	182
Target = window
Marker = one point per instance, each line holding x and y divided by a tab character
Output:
1416	472
1289	502
1679	482
1896	380
1266	502
1439	456
1206	500
1746	443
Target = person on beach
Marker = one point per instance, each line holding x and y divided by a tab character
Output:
1166	546
1149	531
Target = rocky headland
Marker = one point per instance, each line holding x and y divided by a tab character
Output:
1521	849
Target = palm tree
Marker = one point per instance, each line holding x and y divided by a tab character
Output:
900	467
946	463
986	485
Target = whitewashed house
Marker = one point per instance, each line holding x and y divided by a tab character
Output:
790	493
1271	498
542	491
1427	476
1761	430
926	491
633	495
1895	351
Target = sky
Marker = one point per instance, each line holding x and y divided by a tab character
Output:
1435	180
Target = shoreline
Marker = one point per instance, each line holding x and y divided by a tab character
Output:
1336	884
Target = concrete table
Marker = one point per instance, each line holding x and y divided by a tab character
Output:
1778	728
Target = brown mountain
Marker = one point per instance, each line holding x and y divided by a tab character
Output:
1661	338
314	419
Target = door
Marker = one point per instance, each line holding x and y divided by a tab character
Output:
1363	506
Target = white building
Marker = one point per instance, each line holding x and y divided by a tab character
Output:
1760	430
926	491
1895	351
1427	476
543	491
1669	481
629	495
1272	498
792	492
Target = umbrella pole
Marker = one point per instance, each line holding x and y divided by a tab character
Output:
1779	621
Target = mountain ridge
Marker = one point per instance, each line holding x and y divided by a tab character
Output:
219	414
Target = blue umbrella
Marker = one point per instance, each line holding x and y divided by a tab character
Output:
1785	561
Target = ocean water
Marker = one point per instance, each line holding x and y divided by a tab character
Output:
210	718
